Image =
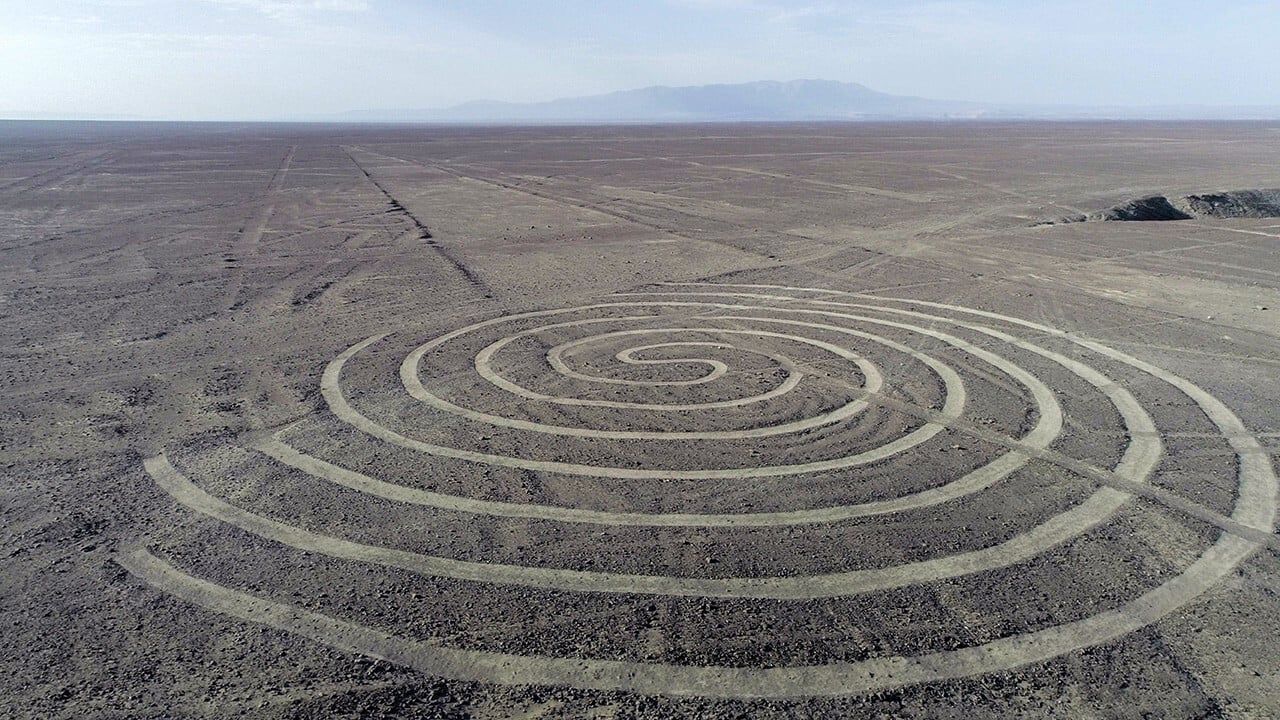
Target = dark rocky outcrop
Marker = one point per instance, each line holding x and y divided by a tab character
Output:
1152	207
1237	204
1262	203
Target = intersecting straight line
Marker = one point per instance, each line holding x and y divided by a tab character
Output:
1102	476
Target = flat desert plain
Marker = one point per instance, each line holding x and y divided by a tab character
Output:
827	420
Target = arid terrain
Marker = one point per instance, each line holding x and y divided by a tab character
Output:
771	420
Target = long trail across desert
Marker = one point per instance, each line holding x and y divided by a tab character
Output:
759	420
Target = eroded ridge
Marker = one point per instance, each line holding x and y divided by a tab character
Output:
1256	203
671	354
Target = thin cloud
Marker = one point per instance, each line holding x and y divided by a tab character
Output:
283	9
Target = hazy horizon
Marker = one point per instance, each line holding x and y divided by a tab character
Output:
311	59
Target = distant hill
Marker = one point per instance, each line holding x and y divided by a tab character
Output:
765	100
776	101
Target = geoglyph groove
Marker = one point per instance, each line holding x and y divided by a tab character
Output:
786	314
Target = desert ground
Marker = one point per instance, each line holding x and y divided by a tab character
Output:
772	420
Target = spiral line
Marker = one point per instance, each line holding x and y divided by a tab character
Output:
828	372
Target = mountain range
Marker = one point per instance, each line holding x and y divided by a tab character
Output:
795	100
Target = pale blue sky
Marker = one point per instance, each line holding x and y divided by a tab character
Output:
269	59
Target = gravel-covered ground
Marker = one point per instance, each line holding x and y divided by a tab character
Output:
710	421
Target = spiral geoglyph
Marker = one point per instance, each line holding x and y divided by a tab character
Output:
807	401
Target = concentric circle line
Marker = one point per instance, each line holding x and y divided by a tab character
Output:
1138	424
1255	512
1092	511
703	681
338	404
1242	440
873	383
331	390
410	366
1145	446
1097	508
555	358
483	360
484	367
1257	505
1137	458
1142	453
977	480
628	356
1019	548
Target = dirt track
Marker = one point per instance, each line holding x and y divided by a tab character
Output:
773	420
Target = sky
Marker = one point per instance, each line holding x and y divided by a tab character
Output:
307	59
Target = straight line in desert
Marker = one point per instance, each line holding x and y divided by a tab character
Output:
865	189
250	238
1245	522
